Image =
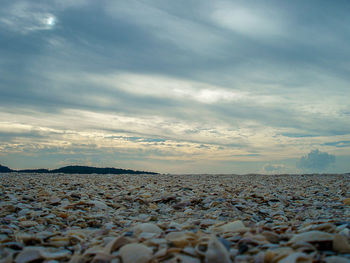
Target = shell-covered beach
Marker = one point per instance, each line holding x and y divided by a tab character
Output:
174	218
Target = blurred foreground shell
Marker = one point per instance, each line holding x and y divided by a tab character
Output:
136	253
31	254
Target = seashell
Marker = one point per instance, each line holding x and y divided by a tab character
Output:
13	245
102	258
341	244
274	255
243	259
55	201
271	236
336	259
161	253
28	223
99	204
216	252
60	254
189	251
93	251
63	215
153	206
148	228
179	258
116	243
326	227
303	247
136	253
146	235
29	254
345	232
59	241
312	236
6	255
27	238
181	239
346	201
235	226
297	257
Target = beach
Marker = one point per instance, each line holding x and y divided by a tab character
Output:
174	218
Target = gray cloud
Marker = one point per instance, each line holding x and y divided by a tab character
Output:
195	76
316	161
339	144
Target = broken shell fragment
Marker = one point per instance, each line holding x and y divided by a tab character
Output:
336	259
53	218
136	253
341	244
216	252
235	226
147	228
312	236
30	254
296	258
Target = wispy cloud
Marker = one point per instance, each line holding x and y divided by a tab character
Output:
25	17
251	21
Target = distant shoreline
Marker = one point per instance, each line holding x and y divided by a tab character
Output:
76	169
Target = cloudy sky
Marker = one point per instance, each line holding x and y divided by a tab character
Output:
181	86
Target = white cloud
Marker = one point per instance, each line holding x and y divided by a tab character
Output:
166	87
248	21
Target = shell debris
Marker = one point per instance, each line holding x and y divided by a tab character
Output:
174	218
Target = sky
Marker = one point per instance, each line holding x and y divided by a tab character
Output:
176	86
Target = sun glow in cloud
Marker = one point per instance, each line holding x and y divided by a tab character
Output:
50	20
165	87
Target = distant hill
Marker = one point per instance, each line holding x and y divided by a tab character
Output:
4	169
76	169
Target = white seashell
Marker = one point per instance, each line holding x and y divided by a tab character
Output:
147	228
216	252
235	226
312	236
297	257
136	253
